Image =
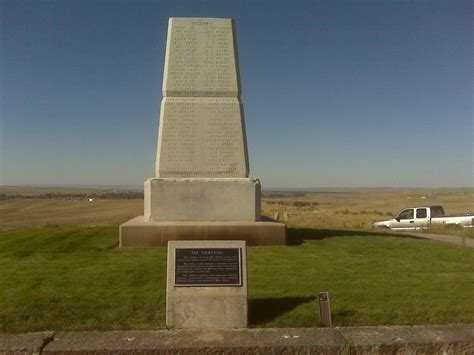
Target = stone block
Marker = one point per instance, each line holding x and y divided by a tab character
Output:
201	137
212	304
140	233
212	200
201	58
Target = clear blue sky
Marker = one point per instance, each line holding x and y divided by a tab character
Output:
336	94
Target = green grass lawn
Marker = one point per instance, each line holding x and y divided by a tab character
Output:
450	230
76	279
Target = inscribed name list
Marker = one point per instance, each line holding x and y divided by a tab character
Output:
201	58
201	137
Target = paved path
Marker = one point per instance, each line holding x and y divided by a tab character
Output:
452	239
448	339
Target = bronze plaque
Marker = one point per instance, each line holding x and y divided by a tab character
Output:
208	267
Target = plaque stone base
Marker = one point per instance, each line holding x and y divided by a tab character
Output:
202	199
199	292
139	232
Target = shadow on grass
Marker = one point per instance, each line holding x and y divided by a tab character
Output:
344	316
266	309
296	236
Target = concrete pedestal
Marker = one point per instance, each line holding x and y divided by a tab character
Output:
138	232
206	307
202	199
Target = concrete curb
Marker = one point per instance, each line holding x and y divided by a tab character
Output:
237	341
454	339
29	343
449	339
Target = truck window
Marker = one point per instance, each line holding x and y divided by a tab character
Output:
437	211
406	214
421	213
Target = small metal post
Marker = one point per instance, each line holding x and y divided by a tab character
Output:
324	309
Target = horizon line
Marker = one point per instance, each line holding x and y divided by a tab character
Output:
121	186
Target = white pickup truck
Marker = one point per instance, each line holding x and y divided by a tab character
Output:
424	217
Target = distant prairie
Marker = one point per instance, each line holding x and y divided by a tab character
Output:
346	208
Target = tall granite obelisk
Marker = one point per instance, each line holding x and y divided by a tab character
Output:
202	188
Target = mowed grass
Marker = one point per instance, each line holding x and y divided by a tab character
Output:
76	279
450	230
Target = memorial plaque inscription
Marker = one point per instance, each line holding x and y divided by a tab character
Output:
207	267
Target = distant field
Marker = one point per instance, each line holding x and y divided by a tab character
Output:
67	279
23	207
328	208
20	213
359	208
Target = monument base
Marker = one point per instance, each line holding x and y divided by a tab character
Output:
202	199
140	233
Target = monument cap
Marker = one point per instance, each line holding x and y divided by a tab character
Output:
201	58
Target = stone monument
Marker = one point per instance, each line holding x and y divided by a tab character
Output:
202	188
